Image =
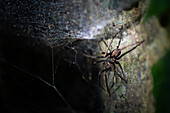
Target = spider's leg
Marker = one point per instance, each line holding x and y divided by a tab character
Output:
89	56
118	44
106	45
112	41
100	57
136	43
114	68
115	73
122	78
112	80
104	70
93	57
115	90
109	45
101	51
120	68
107	87
112	83
127	51
99	61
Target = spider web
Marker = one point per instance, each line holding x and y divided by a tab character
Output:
50	22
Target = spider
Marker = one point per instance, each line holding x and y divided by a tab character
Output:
111	59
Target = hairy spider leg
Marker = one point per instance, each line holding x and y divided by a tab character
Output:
112	41
101	51
100	57
130	49
118	44
112	85
115	76
106	45
94	57
114	68
104	70
109	46
121	70
122	78
99	61
107	87
115	90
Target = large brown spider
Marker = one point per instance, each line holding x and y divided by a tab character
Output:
110	59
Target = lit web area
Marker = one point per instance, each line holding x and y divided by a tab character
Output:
51	21
42	65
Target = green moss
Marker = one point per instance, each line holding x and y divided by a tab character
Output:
157	8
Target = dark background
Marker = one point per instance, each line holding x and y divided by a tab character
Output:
22	61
